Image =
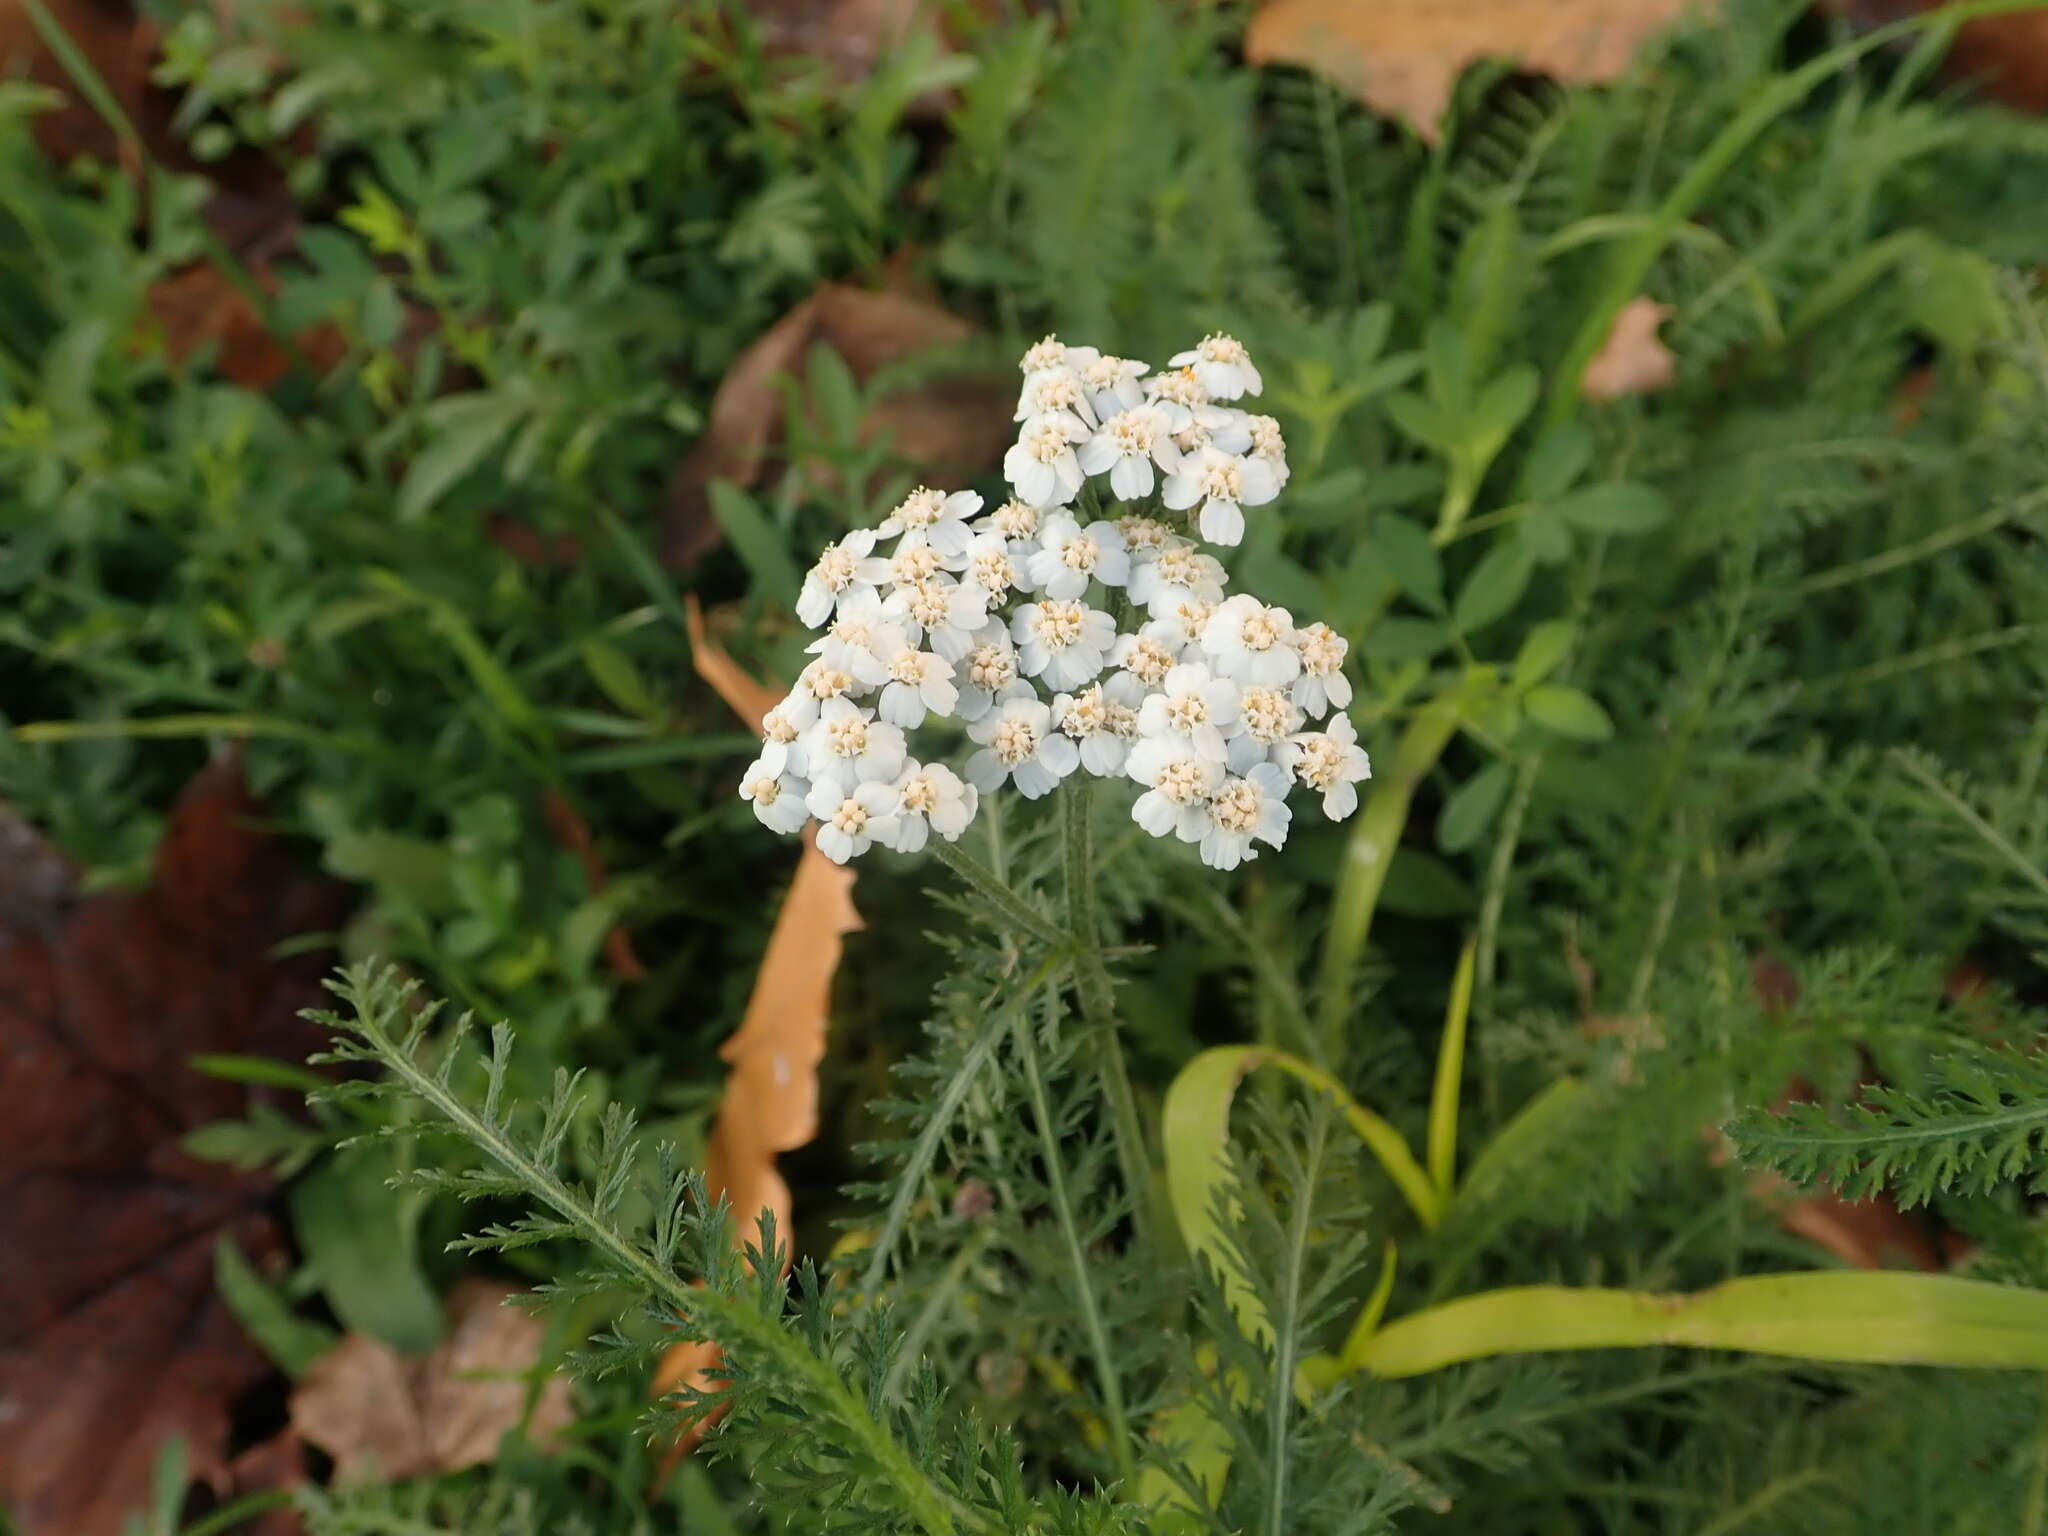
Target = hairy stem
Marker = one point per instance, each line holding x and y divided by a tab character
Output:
983	880
1098	998
1077	1252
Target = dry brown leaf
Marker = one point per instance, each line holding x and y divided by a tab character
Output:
2006	56
384	1416
953	428
1403	57
1633	360
771	1094
199	305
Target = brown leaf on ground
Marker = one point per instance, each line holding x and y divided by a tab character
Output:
111	1335
121	47
771	1093
37	883
2007	56
200	306
1633	360
384	1416
952	428
850	37
1403	57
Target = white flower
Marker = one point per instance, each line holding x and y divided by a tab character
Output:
931	517
989	667
920	683
1252	643
814	686
1053	353
994	567
1041	466
1102	719
777	797
931	798
855	817
1266	716
1016	520
1056	392
1268	444
1177	785
1240	810
1222	366
1112	384
1193	708
1069	556
941	612
914	562
1150	654
1128	445
1144	536
844	570
1176	573
1224	483
1332	763
1178	394
1322	684
1065	643
782	730
1185	621
858	638
849	746
1019	743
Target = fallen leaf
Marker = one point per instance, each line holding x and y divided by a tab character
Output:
384	1416
1403	57
37	883
950	428
111	1335
850	37
1633	360
201	306
121	47
2005	56
771	1094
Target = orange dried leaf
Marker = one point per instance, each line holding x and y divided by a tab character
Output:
1633	360
771	1094
1403	57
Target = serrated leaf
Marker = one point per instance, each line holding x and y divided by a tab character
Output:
1568	712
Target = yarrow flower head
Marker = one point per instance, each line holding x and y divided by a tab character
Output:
1079	626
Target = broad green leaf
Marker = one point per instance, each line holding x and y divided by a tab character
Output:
1424	420
1556	462
1497	412
362	1245
1410	558
1529	1132
461	431
1568	712
1199	1180
613	672
1542	651
1874	1317
761	548
1623	508
1472	806
1397	640
1545	535
1494	587
1488	284
1420	884
292	1342
1446	368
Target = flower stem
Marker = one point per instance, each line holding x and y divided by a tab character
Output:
984	881
1098	999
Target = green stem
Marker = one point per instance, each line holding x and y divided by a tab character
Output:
1098	997
1006	901
1077	1252
1367	854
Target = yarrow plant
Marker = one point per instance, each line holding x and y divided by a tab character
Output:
1077	628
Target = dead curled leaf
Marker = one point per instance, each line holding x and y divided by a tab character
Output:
951	428
771	1093
384	1416
1633	360
112	1337
1403	57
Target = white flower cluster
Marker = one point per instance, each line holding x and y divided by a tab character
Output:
1067	640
